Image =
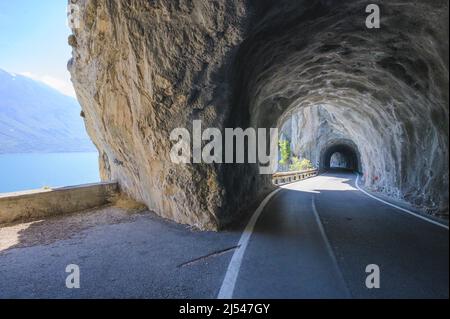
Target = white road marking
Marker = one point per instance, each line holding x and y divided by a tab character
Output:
330	249
229	282
227	289
398	207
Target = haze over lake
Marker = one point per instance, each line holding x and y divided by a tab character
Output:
43	141
36	170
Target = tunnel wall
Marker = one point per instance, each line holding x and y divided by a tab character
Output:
142	68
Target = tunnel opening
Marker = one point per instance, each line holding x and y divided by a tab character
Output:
338	160
346	89
340	156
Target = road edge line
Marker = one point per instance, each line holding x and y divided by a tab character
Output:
398	207
229	281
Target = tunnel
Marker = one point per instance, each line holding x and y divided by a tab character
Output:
258	64
340	155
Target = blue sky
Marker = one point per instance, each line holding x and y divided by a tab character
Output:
33	41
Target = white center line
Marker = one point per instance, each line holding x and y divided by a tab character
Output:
330	250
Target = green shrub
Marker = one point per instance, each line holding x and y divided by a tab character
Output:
300	165
285	150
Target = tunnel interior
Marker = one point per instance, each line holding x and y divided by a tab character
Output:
315	63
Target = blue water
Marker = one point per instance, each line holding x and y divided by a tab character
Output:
32	171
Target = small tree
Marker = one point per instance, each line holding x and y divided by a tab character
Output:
285	150
300	165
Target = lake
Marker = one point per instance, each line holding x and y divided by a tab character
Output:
36	170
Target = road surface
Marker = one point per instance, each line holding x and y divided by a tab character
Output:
315	238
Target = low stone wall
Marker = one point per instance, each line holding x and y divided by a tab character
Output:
34	204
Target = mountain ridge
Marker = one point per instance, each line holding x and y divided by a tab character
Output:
35	118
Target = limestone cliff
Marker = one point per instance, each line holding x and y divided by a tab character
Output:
143	68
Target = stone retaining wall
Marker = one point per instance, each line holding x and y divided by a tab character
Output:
34	204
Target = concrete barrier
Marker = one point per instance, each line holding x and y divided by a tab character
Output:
294	176
29	205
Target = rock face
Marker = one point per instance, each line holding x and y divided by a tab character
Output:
142	68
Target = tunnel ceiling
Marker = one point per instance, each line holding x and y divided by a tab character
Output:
141	68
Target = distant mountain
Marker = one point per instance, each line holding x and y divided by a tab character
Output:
37	118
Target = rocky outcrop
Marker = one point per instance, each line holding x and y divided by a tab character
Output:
142	68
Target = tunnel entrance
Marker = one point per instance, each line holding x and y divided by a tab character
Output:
340	155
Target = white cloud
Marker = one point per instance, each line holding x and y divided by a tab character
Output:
63	86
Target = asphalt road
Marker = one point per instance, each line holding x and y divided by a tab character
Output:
315	238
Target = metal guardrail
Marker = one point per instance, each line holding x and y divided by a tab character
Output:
294	176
